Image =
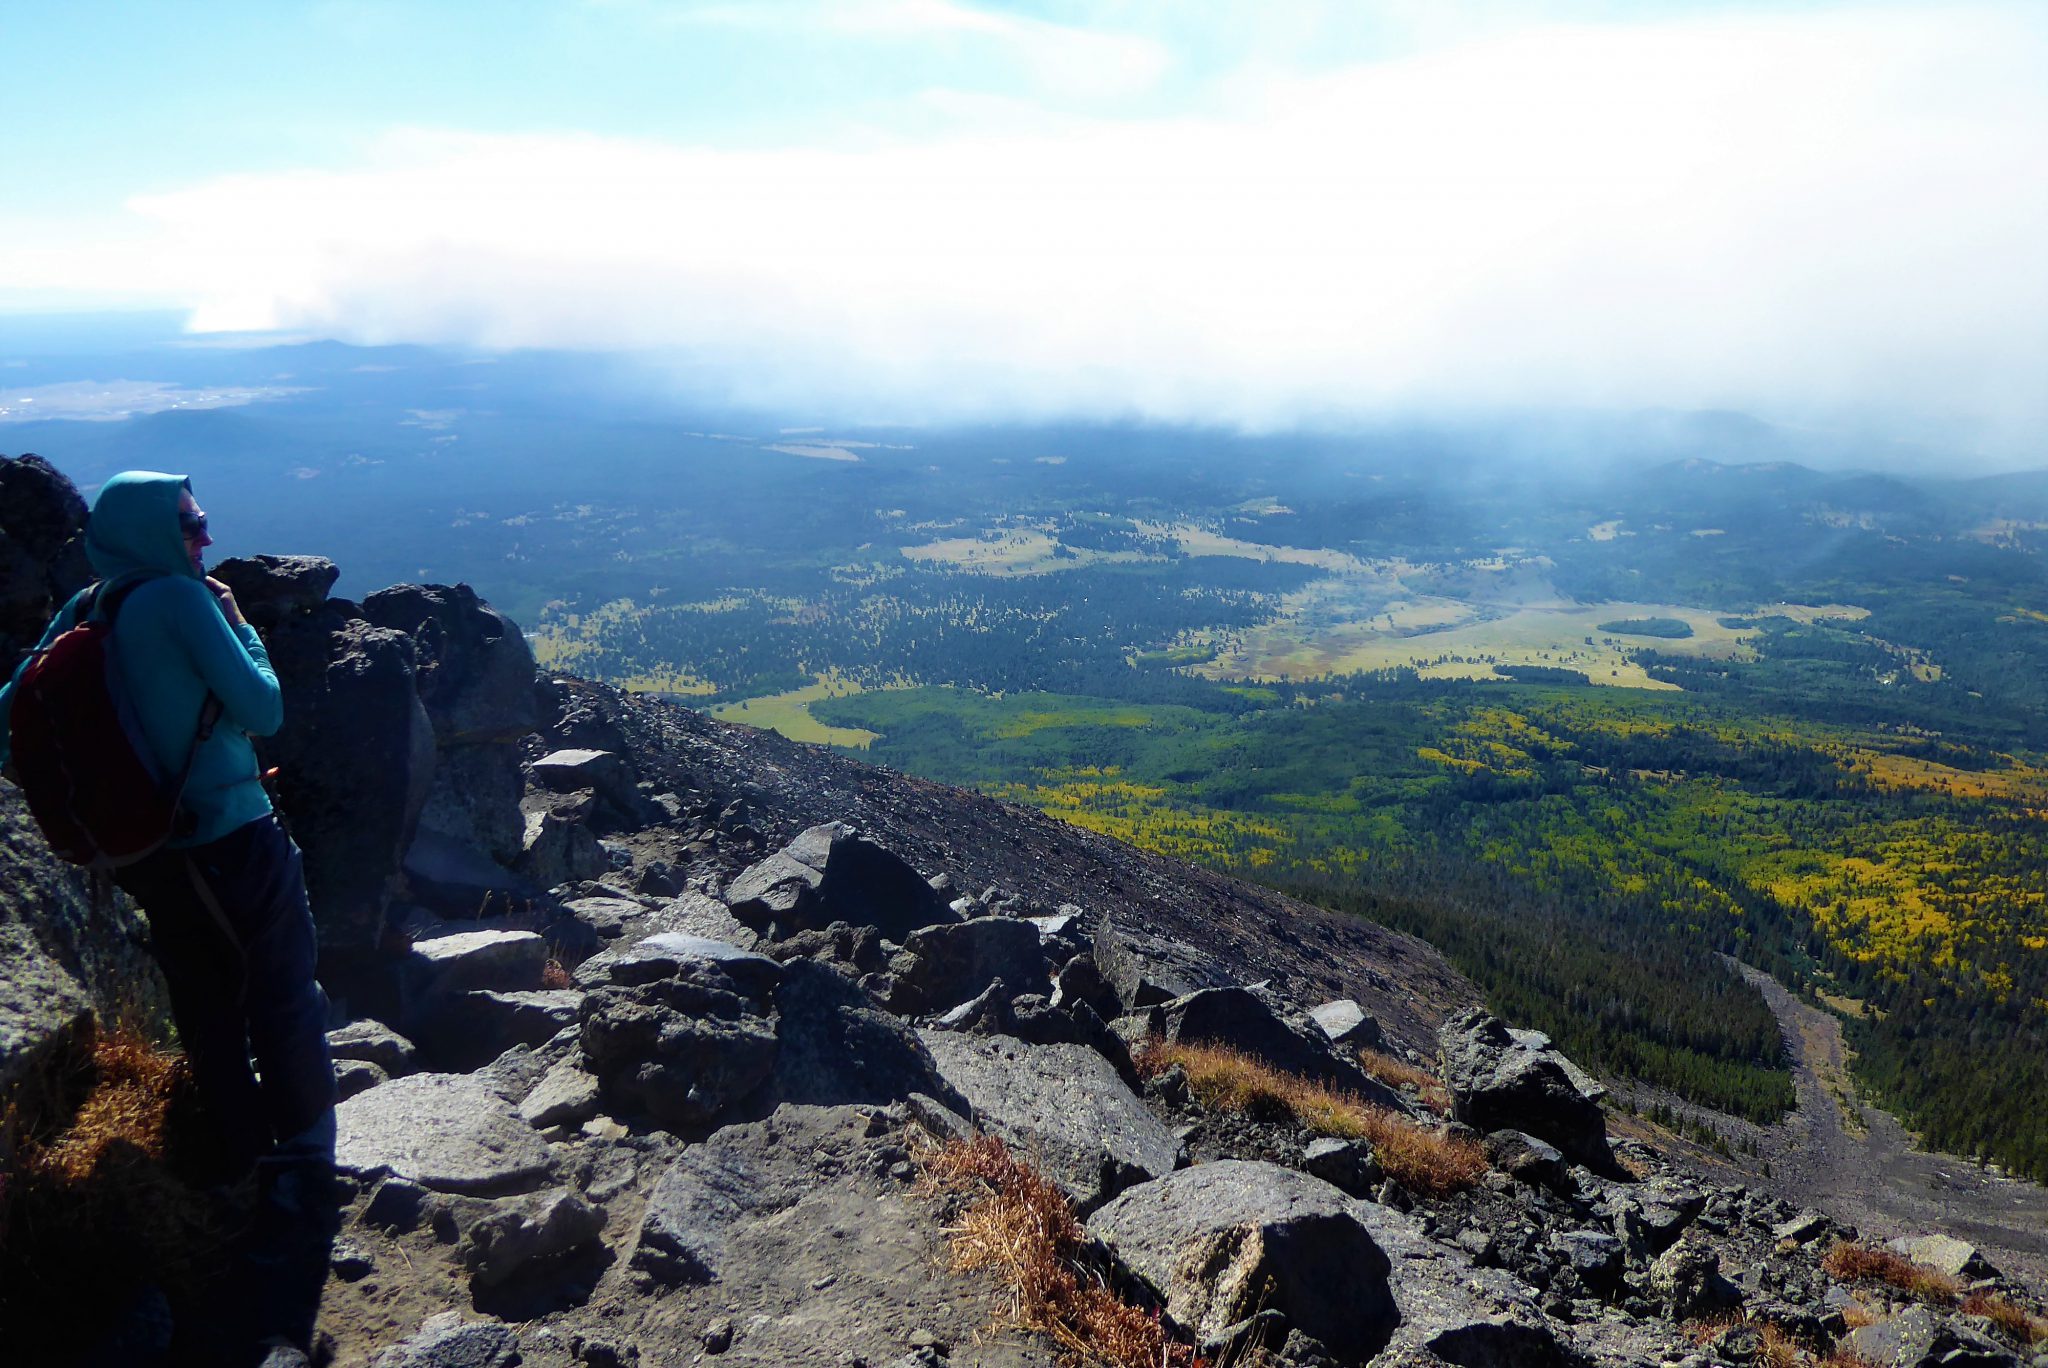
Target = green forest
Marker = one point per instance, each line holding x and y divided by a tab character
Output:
1585	855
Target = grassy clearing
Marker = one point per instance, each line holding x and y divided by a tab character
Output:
1358	623
1019	1226
789	714
1419	1159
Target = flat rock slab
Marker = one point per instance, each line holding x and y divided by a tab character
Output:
507	960
449	1132
1346	1023
1944	1254
792	1229
1064	1106
1221	1242
475	1344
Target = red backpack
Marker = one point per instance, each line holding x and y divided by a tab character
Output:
79	753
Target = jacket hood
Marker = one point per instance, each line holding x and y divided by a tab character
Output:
134	526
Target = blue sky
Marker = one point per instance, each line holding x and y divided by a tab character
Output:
1226	212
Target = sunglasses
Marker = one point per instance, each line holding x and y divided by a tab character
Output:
192	524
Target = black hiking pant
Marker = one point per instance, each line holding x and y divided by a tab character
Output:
252	992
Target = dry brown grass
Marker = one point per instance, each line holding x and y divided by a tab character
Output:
2016	1321
1399	1073
1839	1357
1780	1350
1856	1315
1020	1226
1419	1159
88	1203
1859	1262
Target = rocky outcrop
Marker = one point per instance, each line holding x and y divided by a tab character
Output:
1251	1022
945	965
42	552
831	873
684	1030
681	1089
1063	1104
1500	1082
355	760
1219	1243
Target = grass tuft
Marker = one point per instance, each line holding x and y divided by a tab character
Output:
1417	1158
1020	1226
89	1205
1399	1073
2021	1324
1860	1263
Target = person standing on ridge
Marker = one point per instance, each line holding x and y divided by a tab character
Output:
226	895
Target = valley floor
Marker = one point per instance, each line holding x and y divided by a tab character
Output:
1877	1179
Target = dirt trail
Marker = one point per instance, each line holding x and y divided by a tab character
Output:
1857	1163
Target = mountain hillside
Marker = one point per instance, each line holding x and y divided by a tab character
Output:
666	1040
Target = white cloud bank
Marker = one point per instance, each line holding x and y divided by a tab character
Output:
1835	212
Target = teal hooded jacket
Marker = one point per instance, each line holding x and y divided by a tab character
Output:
174	646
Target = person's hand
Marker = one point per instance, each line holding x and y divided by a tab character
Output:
225	596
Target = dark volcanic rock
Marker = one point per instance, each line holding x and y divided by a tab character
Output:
830	873
838	1047
474	673
942	966
1453	1312
683	1032
356	760
1146	969
546	1225
1498	1082
1063	1104
1253	1023
42	552
447	1342
1220	1242
272	590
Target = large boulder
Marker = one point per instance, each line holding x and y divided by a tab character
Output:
1062	1104
1499	1082
831	873
1347	1025
448	1132
42	552
838	1047
356	760
1147	969
468	1030
1921	1337
945	965
474	673
681	1029
1254	1023
523	1230
1945	1254
1687	1282
273	590
607	776
1220	1242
